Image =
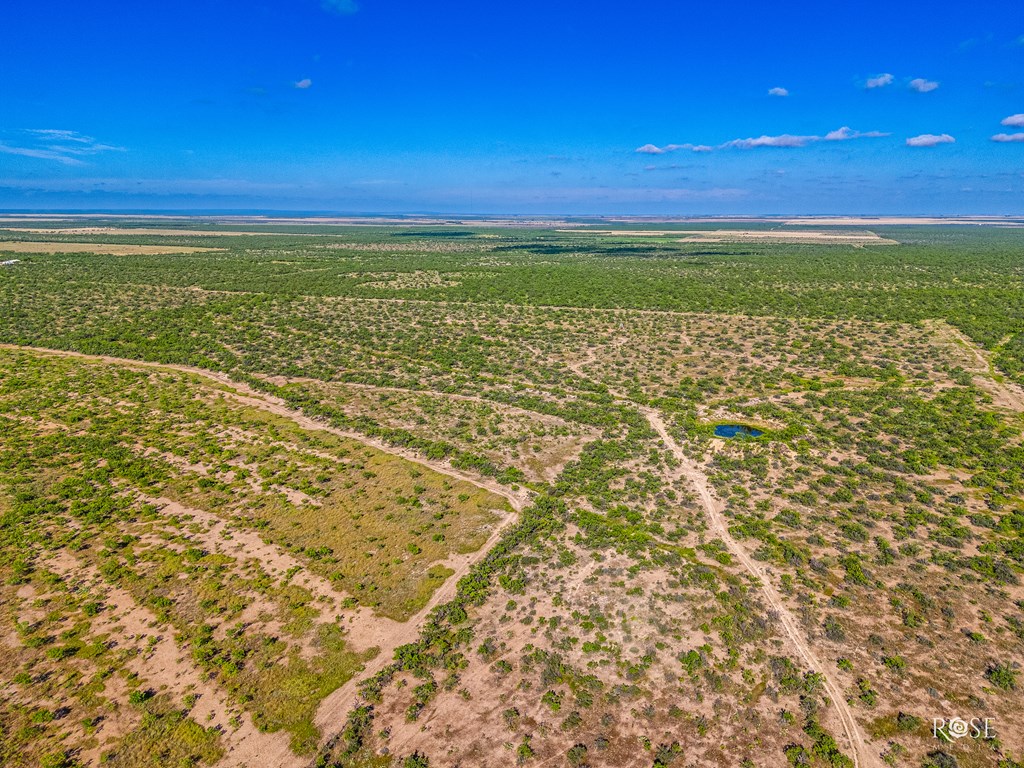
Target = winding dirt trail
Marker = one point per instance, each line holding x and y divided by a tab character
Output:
862	756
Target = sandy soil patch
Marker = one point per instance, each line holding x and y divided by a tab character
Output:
747	236
164	666
110	249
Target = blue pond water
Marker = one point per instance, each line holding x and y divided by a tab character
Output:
736	430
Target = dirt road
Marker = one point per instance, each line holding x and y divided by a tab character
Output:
862	756
1005	393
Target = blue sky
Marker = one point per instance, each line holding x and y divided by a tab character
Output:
528	107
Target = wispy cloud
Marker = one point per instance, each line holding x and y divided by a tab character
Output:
785	140
921	85
930	140
56	145
778	92
303	84
70	142
1013	121
39	154
341	7
54	134
1006	138
879	82
672	167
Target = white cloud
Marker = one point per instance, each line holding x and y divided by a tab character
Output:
341	7
785	140
1014	121
921	85
778	92
846	133
1006	138
303	84
879	82
930	140
651	149
840	134
70	142
690	147
788	140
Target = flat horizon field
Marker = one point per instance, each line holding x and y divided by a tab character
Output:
458	491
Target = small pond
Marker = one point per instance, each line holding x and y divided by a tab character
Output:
736	430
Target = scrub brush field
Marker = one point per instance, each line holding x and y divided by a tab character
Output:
457	494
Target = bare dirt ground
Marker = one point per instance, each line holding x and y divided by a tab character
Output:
364	630
824	238
110	249
164	667
333	709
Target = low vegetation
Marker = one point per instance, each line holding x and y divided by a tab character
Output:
190	561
